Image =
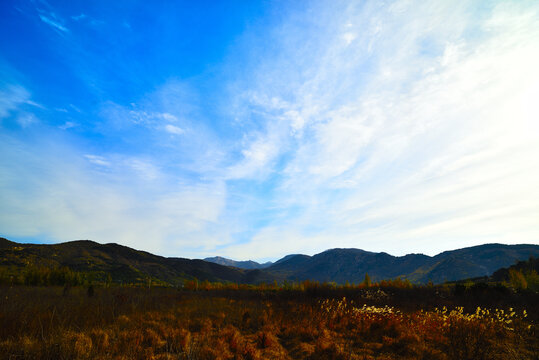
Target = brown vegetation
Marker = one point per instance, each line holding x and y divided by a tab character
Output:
310	321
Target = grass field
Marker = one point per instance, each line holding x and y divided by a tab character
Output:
309	323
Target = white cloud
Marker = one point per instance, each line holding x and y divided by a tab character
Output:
68	125
14	100
26	119
144	168
11	97
419	136
348	37
175	130
135	168
410	128
259	152
33	103
54	22
50	191
141	115
82	16
168	117
97	160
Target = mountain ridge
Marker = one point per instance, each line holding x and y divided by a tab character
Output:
340	265
350	264
247	265
122	263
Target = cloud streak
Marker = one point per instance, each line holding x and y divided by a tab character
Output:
175	130
52	21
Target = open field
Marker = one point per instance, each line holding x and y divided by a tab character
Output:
314	322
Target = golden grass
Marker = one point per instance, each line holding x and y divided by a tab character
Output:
136	323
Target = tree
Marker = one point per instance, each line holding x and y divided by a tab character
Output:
517	279
367	281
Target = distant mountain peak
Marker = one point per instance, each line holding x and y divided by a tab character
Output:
288	257
247	265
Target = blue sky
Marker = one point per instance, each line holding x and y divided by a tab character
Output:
255	129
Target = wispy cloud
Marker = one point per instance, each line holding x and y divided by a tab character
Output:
79	17
135	114
97	160
258	155
171	109
68	125
399	127
175	130
33	103
14	101
52	20
168	117
412	129
11	97
145	169
147	215
26	119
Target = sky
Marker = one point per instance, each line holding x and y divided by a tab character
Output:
257	129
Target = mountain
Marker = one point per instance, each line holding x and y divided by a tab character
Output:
291	267
529	267
247	265
121	262
341	265
6	244
476	261
297	257
523	275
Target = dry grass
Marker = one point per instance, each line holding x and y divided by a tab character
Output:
136	323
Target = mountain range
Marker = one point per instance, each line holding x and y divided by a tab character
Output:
122	263
341	265
125	264
247	265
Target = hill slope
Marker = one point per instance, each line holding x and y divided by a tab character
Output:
341	265
122	263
